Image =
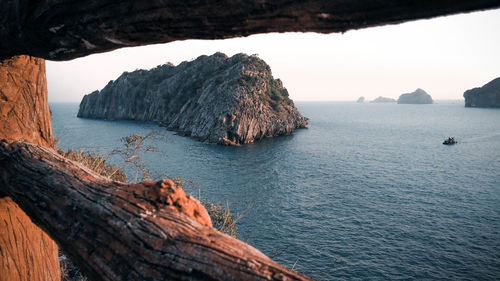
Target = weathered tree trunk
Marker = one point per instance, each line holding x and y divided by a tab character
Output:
24	110
26	252
113	231
62	29
118	231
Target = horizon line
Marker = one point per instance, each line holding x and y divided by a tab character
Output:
353	100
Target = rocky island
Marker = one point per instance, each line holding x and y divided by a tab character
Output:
361	100
485	96
382	100
214	98
419	96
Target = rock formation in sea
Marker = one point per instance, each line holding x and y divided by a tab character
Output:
214	98
382	100
419	96
361	100
485	96
64	30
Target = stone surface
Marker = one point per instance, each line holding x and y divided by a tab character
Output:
361	100
382	100
419	96
485	96
63	30
213	98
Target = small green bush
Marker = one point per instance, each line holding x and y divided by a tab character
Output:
219	79
248	82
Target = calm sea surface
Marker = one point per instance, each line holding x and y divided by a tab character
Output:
367	192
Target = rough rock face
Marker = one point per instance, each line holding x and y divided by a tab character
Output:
382	100
361	100
419	96
213	98
485	96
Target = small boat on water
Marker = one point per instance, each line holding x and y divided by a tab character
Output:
450	141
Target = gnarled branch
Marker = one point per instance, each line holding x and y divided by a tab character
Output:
63	30
116	231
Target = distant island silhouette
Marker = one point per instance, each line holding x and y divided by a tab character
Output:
485	96
382	100
419	96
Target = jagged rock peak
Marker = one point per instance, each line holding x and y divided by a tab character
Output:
419	96
485	96
227	100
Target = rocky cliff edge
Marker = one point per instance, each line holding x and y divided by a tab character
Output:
214	98
485	96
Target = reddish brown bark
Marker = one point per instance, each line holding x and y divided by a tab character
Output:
62	30
26	252
121	234
24	111
115	231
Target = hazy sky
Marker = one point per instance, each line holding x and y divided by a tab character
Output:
444	56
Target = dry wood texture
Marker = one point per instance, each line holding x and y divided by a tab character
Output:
26	252
64	29
24	111
125	232
115	231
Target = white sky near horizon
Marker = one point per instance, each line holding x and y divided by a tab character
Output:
444	56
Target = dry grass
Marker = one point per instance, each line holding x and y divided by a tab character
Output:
134	148
222	218
96	163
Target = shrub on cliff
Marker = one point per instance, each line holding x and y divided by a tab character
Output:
222	219
97	163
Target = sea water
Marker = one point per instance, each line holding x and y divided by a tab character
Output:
366	192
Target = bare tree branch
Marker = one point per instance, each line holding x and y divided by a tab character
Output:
63	30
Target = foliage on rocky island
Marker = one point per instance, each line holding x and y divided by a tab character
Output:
219	99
